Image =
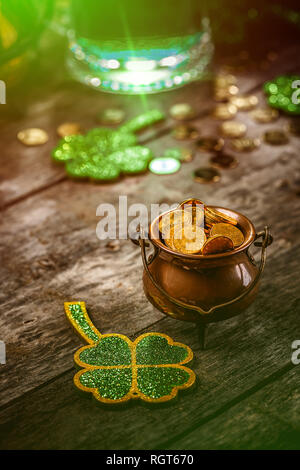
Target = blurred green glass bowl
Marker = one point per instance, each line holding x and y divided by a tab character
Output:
21	25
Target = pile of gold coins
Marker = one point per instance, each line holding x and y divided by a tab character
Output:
229	103
199	229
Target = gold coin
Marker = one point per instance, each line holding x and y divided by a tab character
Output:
224	161
276	137
33	137
233	129
190	240
244	103
113	245
225	87
225	93
197	214
192	202
169	241
184	132
264	115
229	231
111	116
224	111
245	144
172	219
182	112
68	128
294	126
186	155
206	175
224	80
213	216
217	244
209	144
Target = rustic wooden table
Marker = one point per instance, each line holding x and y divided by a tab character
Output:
247	393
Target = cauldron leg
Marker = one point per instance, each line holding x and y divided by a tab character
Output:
202	329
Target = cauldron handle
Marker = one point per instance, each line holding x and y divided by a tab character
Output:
267	239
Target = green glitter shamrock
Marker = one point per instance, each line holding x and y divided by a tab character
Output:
116	369
283	94
103	154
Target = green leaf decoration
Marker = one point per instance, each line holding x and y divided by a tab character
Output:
116	369
282	93
103	154
110	351
158	383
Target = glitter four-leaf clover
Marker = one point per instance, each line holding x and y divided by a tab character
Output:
116	369
103	154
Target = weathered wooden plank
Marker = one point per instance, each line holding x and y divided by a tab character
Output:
27	170
268	419
52	243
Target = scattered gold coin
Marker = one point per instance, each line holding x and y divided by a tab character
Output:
217	244
229	231
225	87
113	245
68	128
207	175
245	144
182	112
111	116
225	93
244	103
190	240
223	160
212	216
209	144
33	137
276	137
264	115
184	132
186	155
233	129
183	154
224	80
224	111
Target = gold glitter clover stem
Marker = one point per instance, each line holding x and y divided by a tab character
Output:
81	322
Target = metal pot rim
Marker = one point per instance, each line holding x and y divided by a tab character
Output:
244	224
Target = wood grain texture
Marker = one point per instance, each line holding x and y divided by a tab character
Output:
268	419
50	254
242	352
54	254
25	171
